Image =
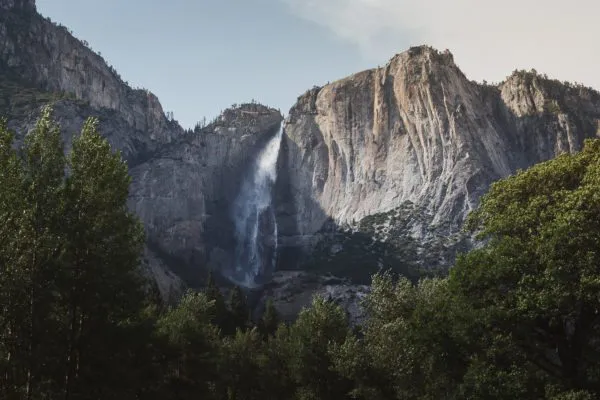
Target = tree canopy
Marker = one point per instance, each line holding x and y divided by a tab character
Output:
517	317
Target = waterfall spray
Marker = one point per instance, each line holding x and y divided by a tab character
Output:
254	219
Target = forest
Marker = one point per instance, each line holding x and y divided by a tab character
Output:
515	318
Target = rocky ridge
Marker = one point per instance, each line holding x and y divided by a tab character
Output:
12	5
379	170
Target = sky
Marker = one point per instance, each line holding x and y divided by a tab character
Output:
201	56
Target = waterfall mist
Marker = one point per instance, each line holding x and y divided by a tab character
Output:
255	222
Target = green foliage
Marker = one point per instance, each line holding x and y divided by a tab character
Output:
33	192
573	395
189	322
220	316
270	319
191	343
240	313
67	299
310	364
95	206
517	317
411	348
241	366
537	280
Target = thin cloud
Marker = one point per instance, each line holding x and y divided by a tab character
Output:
488	39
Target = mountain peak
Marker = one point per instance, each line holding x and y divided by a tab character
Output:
245	114
425	52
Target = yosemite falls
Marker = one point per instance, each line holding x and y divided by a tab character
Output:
254	220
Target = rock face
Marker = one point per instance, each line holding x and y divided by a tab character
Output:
185	192
292	291
45	55
417	131
183	181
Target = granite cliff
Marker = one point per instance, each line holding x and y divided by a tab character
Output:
401	154
184	193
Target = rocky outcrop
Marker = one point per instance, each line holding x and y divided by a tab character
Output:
292	291
183	191
417	131
41	63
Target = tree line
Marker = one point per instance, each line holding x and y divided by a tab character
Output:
517	318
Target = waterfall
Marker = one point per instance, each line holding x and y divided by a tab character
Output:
254	220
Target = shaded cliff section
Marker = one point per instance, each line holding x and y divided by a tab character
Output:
183	181
405	152
185	192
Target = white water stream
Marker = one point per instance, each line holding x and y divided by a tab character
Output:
254	219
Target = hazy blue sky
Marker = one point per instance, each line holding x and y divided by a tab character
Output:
201	56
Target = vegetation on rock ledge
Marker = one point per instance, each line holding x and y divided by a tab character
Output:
385	241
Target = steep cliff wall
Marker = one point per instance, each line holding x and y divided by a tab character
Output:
418	132
184	193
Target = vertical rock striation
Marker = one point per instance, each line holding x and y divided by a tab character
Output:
418	131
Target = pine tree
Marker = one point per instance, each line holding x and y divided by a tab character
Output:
238	306
12	305
40	245
101	286
220	314
270	319
69	255
191	344
240	368
310	363
31	202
